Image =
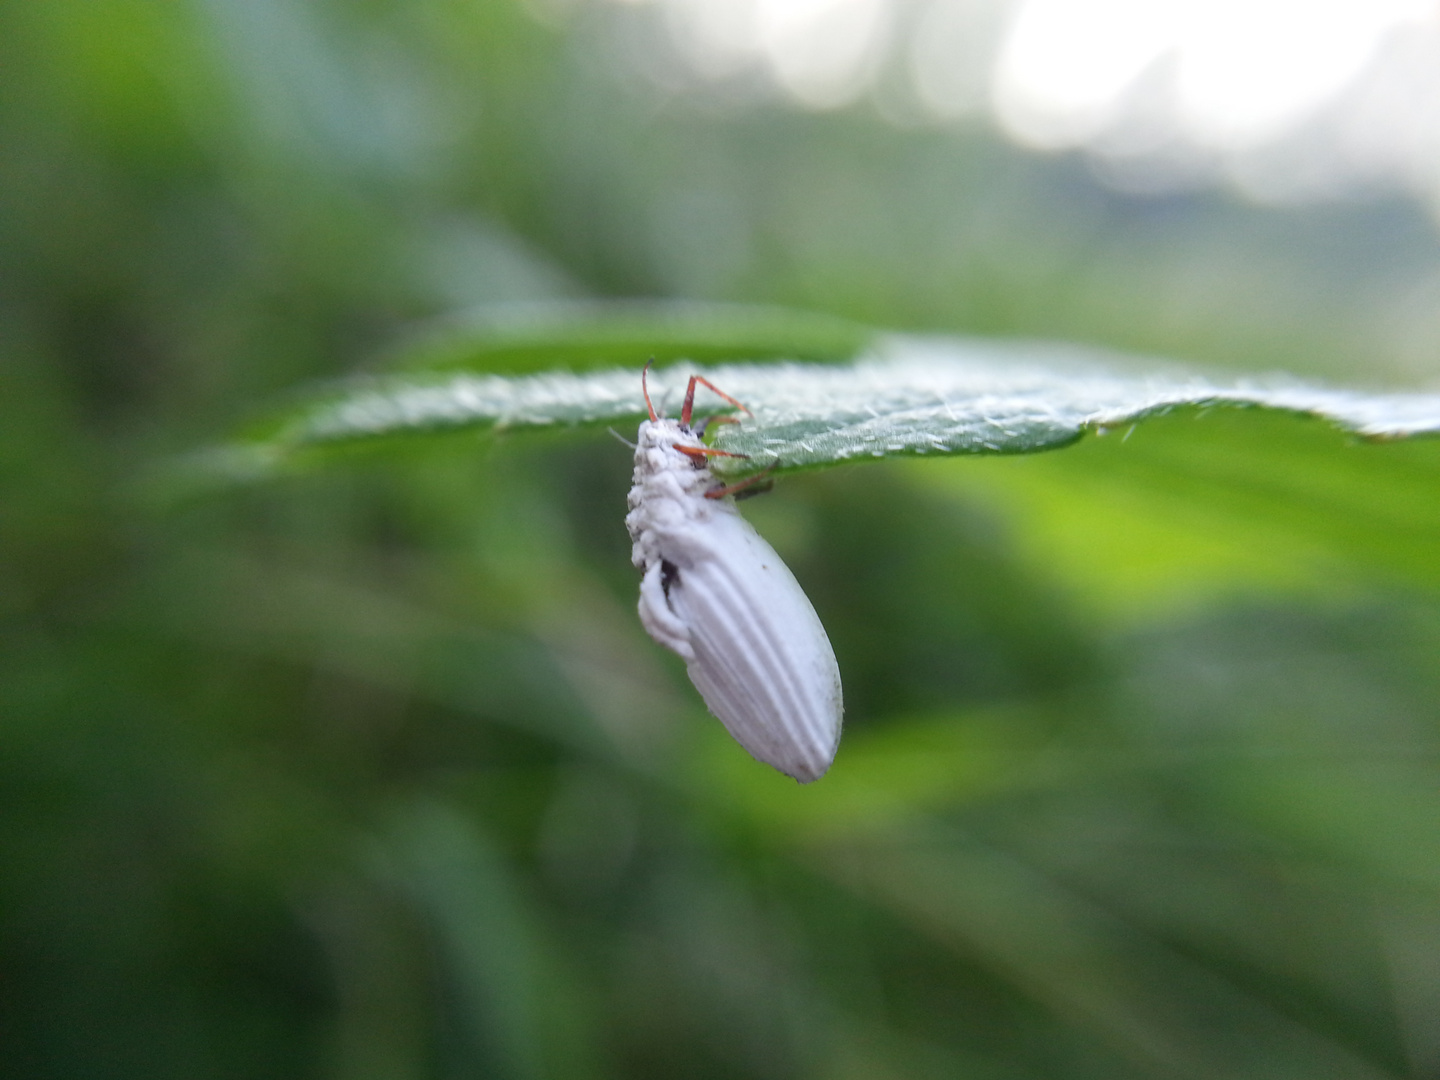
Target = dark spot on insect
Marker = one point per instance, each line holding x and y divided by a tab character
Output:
669	574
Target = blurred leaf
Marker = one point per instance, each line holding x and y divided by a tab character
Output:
892	776
523	337
513	1007
900	397
1157	1007
1204	504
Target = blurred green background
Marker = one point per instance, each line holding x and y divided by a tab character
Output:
373	773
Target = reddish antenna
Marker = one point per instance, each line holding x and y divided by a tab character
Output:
645	389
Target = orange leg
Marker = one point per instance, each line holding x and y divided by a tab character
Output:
700	453
689	406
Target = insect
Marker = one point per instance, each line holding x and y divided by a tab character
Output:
715	593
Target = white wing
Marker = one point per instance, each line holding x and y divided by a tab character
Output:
761	659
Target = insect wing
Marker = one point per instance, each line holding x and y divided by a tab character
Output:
761	661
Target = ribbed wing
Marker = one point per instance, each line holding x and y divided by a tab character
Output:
762	661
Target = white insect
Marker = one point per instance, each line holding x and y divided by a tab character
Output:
717	594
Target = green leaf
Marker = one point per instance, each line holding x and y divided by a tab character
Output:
1200	504
900	396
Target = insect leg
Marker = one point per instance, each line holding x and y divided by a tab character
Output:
700	453
689	405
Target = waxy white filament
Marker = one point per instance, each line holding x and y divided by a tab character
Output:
717	594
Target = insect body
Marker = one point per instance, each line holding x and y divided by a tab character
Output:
716	593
